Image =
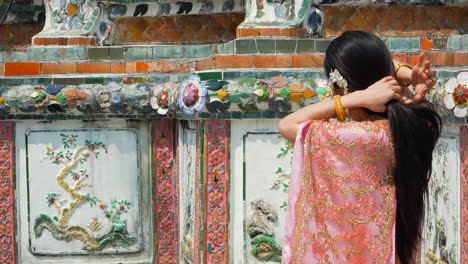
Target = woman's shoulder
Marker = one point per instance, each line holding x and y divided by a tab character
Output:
351	129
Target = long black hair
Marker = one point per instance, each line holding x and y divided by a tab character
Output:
363	59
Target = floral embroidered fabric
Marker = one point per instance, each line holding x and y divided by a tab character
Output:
342	197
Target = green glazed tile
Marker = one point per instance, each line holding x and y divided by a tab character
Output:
159	78
112	80
281	115
305	46
260	75
415	43
201	51
231	75
268	114
75	53
399	44
455	42
91	80
10	82
205	115
266	46
116	53
248	74
246	46
251	115
98	53
204	76
224	115
272	74
321	45
133	53
286	46
236	115
42	54
68	81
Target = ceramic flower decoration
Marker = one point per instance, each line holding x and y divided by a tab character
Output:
161	97
322	88
456	94
192	94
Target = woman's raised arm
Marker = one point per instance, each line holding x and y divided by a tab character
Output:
374	98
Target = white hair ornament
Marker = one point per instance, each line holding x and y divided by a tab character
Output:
336	77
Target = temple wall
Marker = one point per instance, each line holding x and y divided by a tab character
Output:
104	160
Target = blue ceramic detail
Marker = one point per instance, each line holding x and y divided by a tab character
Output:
228	5
184	8
54	89
140	10
314	21
207	7
164	9
119	10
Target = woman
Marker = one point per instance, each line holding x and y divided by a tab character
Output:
357	189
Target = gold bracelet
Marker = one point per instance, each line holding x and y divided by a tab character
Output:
397	68
340	113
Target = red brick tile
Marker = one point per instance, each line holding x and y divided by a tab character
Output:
117	67
302	61
444	58
234	61
270	32
58	68
205	64
426	44
168	66
38	41
185	66
50	41
401	57
460	59
74	41
155	66
265	61
130	67
141	66
87	41
248	32
62	41
283	61
413	59
22	68
431	56
318	59
94	67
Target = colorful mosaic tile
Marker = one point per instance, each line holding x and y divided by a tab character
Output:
249	92
7	204
217	191
165	194
464	192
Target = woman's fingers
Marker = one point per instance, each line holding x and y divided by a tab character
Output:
396	96
427	65
396	88
386	79
420	59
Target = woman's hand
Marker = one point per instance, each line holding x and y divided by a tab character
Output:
421	78
376	96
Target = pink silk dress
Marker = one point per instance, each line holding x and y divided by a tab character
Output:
341	205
